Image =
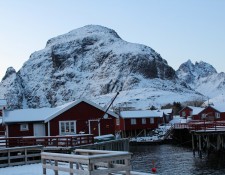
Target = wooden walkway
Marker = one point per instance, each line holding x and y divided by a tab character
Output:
207	136
20	155
48	141
89	162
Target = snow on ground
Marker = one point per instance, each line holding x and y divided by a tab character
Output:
158	135
33	169
36	169
178	119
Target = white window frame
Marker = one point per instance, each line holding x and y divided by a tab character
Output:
183	113
117	121
133	121
24	127
143	121
152	121
203	116
63	123
217	115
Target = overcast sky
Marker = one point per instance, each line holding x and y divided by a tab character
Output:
177	30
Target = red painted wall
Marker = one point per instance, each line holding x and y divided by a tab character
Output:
211	112
139	124
120	127
187	111
2	129
83	112
14	130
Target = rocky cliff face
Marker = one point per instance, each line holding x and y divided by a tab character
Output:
202	77
92	62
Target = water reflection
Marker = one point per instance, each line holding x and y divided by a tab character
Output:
175	160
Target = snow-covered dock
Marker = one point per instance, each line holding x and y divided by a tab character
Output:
159	135
89	162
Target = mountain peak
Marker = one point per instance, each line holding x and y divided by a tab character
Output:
94	62
9	72
189	72
94	31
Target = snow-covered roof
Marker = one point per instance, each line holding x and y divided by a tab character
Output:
196	110
28	115
44	114
141	114
166	111
219	107
3	102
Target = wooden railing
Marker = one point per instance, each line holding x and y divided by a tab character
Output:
200	125
87	162
20	155
57	141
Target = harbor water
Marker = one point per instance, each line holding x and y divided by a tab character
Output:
175	160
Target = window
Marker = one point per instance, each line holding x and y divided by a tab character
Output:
144	121
117	121
203	116
183	113
133	121
24	127
152	120
217	115
67	127
191	113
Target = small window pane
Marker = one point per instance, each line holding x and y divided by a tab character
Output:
72	126
152	120
62	127
67	126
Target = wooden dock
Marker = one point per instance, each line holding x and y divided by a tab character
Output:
209	138
89	162
113	145
48	141
20	155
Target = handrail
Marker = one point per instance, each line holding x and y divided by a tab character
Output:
200	125
57	141
89	162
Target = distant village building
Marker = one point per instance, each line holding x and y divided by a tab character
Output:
82	116
190	112
134	123
211	113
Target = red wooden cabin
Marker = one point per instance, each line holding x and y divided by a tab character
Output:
190	112
81	116
213	113
131	123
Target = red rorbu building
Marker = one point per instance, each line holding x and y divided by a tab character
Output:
81	116
213	113
131	123
191	112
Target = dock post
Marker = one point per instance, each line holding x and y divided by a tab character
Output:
193	144
218	142
56	166
44	166
222	142
200	147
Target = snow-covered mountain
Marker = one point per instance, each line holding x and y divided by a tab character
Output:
94	62
202	77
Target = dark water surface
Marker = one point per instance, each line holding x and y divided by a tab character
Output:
174	160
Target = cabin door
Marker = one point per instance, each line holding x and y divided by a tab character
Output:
39	129
94	127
